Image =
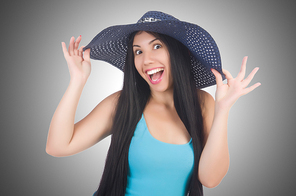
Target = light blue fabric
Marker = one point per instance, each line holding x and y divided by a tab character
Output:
158	168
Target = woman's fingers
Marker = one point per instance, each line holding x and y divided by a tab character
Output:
86	55
73	50
80	51
227	74
251	88
65	51
76	45
242	72
77	42
218	77
71	46
247	81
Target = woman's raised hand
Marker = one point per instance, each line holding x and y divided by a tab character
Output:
227	94
78	61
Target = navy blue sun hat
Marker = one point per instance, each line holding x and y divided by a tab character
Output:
111	44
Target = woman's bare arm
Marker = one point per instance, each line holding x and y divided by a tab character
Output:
65	138
214	160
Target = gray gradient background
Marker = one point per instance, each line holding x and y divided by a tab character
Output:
34	76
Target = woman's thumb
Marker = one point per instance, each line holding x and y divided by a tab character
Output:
86	55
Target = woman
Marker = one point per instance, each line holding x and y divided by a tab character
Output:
168	136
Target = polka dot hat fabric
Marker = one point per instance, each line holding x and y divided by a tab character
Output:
110	45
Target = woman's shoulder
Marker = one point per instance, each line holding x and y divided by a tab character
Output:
111	100
204	96
107	106
113	96
206	100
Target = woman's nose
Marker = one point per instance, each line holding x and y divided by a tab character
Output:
148	58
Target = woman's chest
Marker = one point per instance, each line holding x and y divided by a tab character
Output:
166	126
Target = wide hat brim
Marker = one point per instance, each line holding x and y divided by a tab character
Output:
111	44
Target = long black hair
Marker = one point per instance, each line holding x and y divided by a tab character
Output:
131	103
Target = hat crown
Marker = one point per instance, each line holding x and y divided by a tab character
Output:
154	16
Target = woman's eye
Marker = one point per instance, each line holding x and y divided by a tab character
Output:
157	46
138	52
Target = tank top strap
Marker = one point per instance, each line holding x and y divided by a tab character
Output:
141	128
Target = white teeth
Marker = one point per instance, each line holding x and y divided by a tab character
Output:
154	71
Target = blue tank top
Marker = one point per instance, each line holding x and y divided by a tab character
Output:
157	168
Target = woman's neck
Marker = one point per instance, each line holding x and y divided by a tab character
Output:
163	98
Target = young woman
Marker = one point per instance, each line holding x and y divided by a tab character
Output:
168	136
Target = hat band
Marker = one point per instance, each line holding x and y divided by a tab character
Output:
143	20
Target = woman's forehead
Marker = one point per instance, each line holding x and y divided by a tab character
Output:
144	37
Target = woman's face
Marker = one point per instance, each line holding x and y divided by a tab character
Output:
152	61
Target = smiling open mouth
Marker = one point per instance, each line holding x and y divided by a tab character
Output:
155	74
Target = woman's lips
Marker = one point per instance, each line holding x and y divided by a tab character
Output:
153	71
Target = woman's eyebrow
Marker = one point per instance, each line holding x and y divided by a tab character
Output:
153	40
149	42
